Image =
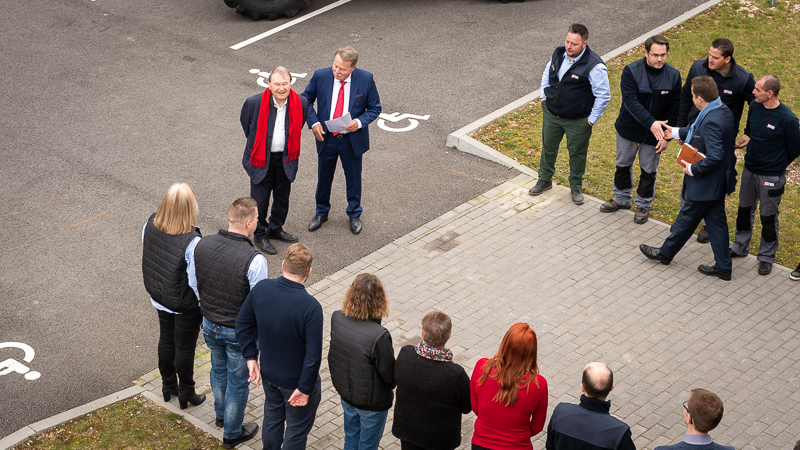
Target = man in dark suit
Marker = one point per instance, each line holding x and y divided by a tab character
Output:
338	90
706	182
270	159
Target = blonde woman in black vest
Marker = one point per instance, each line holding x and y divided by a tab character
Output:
169	238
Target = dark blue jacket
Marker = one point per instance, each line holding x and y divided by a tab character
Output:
734	89
571	97
249	120
588	426
287	321
715	176
648	95
364	104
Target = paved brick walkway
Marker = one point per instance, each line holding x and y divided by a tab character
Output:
578	278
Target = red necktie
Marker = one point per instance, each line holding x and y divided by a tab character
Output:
337	112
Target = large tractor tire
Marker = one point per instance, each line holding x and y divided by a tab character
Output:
267	9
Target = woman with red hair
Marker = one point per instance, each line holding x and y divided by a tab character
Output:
508	394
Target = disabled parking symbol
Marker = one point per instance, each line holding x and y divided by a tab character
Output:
413	121
11	365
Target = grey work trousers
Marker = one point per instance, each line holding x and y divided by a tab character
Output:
623	178
764	192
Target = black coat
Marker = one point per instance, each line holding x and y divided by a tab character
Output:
361	361
431	397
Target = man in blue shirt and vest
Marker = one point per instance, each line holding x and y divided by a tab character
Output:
574	93
227	267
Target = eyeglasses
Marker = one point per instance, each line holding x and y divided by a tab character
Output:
684	407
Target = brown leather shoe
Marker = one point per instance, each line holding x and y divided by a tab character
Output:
641	215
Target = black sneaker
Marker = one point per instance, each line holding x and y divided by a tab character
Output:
764	268
796	274
540	187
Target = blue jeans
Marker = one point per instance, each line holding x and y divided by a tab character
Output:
298	420
362	429
228	377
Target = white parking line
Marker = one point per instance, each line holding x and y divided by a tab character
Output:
287	25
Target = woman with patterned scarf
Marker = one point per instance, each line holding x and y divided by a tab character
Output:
432	390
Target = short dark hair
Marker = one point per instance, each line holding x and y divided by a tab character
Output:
436	327
657	39
771	83
298	260
597	385
725	46
578	28
705	88
706	409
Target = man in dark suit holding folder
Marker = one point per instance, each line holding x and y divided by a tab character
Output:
706	182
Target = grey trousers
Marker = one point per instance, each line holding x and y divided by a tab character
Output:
623	178
764	192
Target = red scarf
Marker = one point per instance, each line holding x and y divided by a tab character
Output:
258	156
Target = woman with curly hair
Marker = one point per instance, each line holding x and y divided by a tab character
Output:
361	362
509	397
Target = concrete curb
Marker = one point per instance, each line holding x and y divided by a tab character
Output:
460	139
24	433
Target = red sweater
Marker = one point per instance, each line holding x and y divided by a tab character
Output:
499	427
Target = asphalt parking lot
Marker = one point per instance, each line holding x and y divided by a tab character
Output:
108	102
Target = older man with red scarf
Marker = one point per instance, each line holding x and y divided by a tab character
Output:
270	159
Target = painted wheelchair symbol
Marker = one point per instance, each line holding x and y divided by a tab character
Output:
413	121
264	76
12	365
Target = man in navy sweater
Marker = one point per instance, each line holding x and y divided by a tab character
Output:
772	138
701	414
287	322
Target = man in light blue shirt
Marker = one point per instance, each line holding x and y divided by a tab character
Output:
227	267
574	93
701	414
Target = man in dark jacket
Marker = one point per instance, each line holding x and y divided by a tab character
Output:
734	85
706	182
227	267
651	92
772	138
287	323
270	158
574	93
589	425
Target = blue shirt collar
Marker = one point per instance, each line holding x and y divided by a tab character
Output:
697	439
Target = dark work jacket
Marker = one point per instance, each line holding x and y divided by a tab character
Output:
715	176
571	97
431	397
734	90
221	263
249	120
774	139
648	95
588	426
361	361
164	267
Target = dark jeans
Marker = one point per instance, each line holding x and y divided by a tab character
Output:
280	415
276	184
176	343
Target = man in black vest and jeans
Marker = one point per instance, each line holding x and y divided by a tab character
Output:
227	267
574	95
651	92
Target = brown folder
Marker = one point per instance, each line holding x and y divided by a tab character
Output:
689	154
